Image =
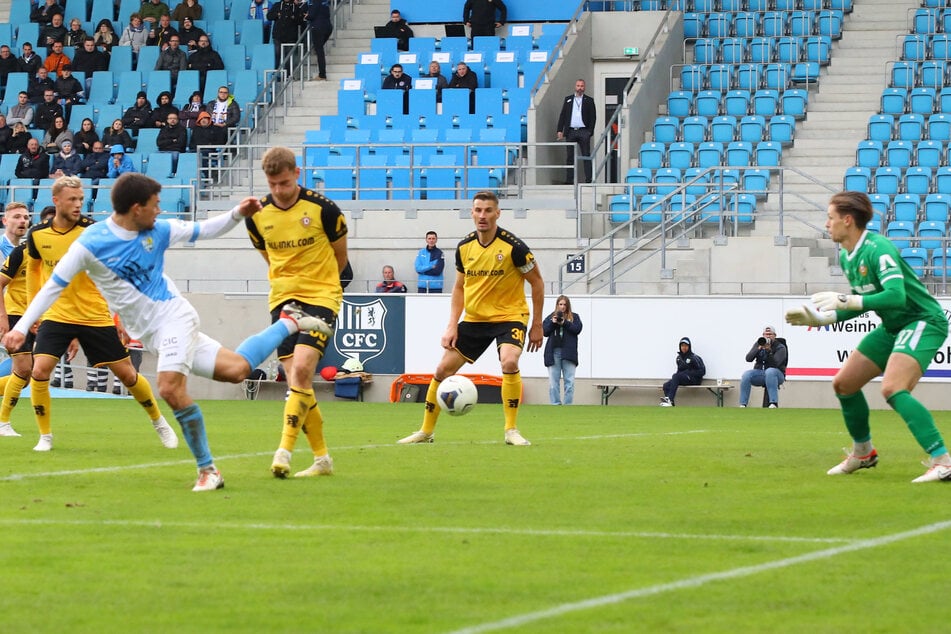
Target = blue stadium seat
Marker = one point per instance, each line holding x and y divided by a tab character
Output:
158	165
881	127
709	154
148	55
159	81
869	154
857	179
696	180
939	127
756	181
639	181
766	102
762	50
829	23
222	32
723	129
801	23
904	75
918	180
235	56
693	77
694	129
937	207
706	50
932	74
942	180
680	155
695	24
941	263
914	47
905	207
749	77
782	128
250	32
898	153
911	127
666	129
915	257
893	101
752	129
720	77
929	153
739	154
736	103
789	50
707	103
932	234
768	154
794	102
746	24
887	180
129	84
719	24
652	155
621	206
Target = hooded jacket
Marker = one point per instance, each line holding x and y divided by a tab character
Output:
689	362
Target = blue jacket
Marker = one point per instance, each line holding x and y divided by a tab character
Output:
429	266
125	165
564	336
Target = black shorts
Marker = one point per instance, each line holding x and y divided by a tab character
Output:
27	346
475	337
100	343
319	342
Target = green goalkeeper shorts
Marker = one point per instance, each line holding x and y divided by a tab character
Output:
920	339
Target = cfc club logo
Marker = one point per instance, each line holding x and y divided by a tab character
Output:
360	332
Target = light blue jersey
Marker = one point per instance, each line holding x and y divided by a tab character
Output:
128	267
6	247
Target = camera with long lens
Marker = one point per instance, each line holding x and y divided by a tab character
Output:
761	341
560	315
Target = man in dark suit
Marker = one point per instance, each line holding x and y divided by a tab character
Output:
576	125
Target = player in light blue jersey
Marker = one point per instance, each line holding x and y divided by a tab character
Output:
913	329
124	257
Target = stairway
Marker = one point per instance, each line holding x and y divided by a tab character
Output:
849	92
320	97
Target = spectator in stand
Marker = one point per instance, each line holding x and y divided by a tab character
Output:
398	28
76	35
152	10
562	328
389	283
56	134
105	36
188	115
86	136
95	165
44	11
187	9
163	107
56	59
6	132
483	17
287	17
119	163
30	62
321	27
135	34
173	59
39	84
21	111
258	11
224	110
54	32
161	34
189	34
34	162
465	78
139	114
88	60
398	80
117	135
19	139
576	125
48	111
439	80
690	371
8	64
66	162
205	134
205	59
429	266
69	91
173	137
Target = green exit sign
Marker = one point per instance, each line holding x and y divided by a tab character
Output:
632	51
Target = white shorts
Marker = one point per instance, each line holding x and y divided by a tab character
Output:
178	344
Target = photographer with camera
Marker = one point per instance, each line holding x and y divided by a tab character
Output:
769	356
561	350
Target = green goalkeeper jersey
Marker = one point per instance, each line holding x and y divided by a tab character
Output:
888	285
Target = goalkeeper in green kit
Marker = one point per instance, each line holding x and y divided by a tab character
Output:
913	328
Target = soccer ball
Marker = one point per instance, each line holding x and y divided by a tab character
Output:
457	395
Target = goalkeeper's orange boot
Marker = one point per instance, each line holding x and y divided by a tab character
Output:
853	463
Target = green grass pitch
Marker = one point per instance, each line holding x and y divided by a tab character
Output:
616	520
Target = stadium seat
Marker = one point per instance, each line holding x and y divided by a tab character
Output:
749	77
694	129
905	207
915	257
652	155
829	23
918	180
942	180
928	153
768	154
932	234
898	153
887	180
911	127
666	129
921	101
761	50
639	181
893	101
707	103
680	155
766	102
900	233
723	129
680	104
941	263
869	154
881	127
794	102
736	103
709	154
858	179
936	208
939	127
666	180
782	128
752	129
621	207
739	154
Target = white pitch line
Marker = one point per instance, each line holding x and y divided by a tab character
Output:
700	580
428	529
16	477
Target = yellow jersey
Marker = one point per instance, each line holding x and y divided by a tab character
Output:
81	302
494	277
14	269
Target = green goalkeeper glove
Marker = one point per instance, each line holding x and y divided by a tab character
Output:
830	300
806	315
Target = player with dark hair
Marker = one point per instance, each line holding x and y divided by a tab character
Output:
303	237
913	328
492	266
124	258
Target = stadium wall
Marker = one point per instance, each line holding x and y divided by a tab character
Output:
625	339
